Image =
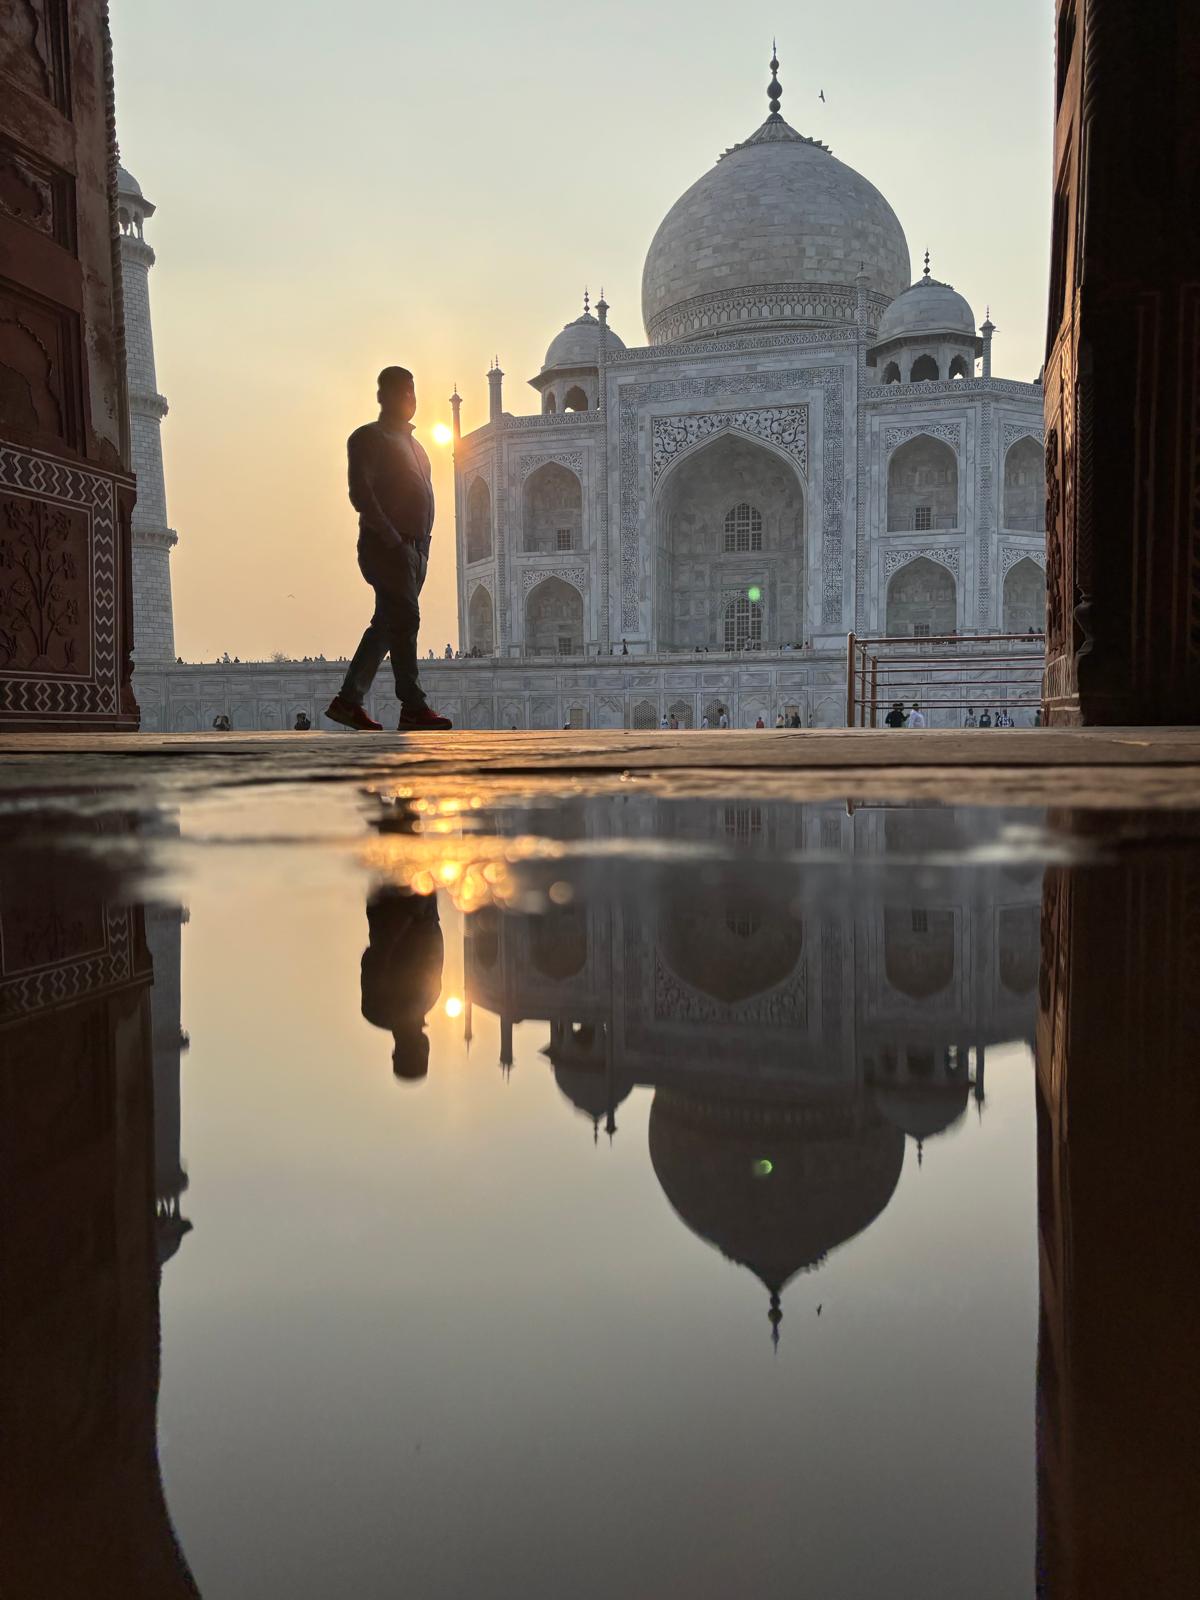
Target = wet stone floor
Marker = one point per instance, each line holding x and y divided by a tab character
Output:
447	1192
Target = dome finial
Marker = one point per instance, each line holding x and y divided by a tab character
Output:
774	88
926	273
587	303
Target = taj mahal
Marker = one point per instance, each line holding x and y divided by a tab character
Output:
809	443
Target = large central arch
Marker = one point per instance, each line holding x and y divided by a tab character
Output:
729	516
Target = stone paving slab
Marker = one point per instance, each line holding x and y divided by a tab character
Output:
1093	766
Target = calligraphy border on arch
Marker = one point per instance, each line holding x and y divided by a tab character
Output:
1010	554
786	427
830	380
945	556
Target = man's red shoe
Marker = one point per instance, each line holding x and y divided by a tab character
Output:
339	710
425	720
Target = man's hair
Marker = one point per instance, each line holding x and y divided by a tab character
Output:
393	377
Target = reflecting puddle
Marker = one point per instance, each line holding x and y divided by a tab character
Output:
621	1196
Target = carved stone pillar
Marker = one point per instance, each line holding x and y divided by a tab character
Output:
66	491
1122	375
1118	1104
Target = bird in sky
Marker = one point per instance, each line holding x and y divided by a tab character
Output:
821	97
819	1308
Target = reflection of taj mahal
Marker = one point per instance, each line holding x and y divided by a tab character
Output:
814	1034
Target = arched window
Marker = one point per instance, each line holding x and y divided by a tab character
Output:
922	490
554	619
681	710
922	601
480	624
553	508
645	715
479	521
1025	487
1025	597
575	400
925	370
959	368
743	623
918	953
891	373
743	528
550	404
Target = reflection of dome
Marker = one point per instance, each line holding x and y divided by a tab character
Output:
833	1169
764	236
578	345
923	1110
925	309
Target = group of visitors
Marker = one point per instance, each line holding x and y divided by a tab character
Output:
985	719
898	717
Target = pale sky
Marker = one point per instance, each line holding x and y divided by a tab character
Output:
345	186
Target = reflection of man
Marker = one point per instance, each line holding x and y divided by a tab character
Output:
402	973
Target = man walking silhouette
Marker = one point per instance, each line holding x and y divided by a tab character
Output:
391	489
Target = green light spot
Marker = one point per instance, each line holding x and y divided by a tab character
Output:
763	1168
754	593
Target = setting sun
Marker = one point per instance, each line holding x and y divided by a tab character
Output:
442	434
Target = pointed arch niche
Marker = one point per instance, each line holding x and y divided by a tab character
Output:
700	560
479	521
922	599
481	625
554	619
922	486
553	510
1024	597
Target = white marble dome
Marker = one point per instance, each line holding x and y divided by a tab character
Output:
777	232
127	183
578	345
925	309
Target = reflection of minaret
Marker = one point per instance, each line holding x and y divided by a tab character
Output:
170	1180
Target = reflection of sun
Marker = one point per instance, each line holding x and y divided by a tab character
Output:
441	433
454	1006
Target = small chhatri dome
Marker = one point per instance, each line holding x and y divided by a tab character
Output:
776	232
927	307
578	345
127	184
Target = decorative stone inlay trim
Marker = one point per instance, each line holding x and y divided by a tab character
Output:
1021	430
156	538
532	576
482	580
944	555
1010	554
770	302
949	432
785	426
571	459
632	398
556	419
483	470
730	344
959	386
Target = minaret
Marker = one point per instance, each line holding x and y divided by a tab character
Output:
163	937
495	393
153	618
987	331
455	412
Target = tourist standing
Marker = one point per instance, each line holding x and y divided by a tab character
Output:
759	723
970	720
1003	720
896	717
391	488
916	717
985	720
779	720
722	718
